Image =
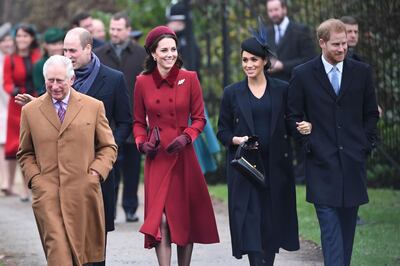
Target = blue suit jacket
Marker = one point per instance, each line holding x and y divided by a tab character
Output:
343	130
110	88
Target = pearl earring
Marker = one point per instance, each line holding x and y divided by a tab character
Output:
154	59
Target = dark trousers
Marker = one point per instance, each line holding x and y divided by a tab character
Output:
128	166
261	259
337	227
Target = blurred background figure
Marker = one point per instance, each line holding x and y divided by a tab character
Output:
179	20
53	45
6	48
123	55
292	42
99	31
85	20
18	78
352	36
135	35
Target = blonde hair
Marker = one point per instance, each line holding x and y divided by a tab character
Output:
331	25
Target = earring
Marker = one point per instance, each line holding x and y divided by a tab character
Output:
155	59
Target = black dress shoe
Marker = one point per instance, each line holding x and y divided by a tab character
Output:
131	217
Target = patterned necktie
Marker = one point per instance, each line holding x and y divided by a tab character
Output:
61	111
335	80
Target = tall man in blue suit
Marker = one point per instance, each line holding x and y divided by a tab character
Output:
337	97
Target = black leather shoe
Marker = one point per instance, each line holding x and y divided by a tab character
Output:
131	217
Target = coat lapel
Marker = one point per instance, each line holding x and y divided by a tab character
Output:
276	103
322	77
74	106
346	78
244	104
48	110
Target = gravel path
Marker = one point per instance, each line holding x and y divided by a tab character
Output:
20	244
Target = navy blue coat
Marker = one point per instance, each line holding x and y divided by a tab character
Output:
343	130
236	119
110	88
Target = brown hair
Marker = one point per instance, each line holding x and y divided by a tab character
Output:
149	63
122	15
331	25
349	20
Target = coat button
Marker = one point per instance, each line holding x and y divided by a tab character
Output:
341	148
157	101
160	129
171	114
170	100
339	127
284	136
237	120
285	155
158	114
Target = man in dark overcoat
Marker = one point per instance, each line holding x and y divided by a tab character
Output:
123	55
336	95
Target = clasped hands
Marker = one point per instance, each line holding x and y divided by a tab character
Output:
304	127
176	145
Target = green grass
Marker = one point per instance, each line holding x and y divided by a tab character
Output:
376	243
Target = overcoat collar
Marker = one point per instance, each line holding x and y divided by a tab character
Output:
244	103
170	79
48	110
322	77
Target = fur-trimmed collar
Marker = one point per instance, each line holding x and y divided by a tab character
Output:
170	79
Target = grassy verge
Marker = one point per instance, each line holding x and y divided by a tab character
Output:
376	243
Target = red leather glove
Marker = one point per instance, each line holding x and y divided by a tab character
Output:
178	144
149	149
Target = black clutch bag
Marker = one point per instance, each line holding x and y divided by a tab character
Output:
254	172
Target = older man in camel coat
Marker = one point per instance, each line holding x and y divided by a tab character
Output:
66	150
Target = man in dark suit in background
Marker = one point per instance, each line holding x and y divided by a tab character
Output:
291	41
352	36
337	97
85	20
122	54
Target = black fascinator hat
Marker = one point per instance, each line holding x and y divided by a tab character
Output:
257	44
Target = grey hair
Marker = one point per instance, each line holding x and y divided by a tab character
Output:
59	60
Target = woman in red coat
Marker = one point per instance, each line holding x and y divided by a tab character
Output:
177	204
18	69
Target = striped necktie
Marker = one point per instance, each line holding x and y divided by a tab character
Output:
61	111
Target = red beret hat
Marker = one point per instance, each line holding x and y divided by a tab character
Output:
155	33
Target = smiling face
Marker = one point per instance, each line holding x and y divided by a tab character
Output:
253	66
57	82
165	54
334	50
23	40
80	56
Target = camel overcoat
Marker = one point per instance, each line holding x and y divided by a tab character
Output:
56	159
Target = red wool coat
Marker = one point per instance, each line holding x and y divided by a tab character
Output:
174	184
15	76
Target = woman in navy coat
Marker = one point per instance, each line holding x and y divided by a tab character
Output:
262	219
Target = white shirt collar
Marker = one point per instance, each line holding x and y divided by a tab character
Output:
328	66
65	100
283	26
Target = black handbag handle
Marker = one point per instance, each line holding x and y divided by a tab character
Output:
239	151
